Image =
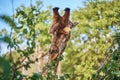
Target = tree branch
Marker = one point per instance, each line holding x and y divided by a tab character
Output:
107	58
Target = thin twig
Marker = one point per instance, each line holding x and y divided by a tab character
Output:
13	66
32	61
107	58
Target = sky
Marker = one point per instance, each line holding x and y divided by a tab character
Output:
6	8
6	5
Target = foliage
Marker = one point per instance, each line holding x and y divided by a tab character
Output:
98	23
92	52
27	29
110	70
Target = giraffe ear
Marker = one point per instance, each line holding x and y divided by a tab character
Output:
75	24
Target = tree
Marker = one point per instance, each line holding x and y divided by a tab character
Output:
28	42
98	21
28	27
90	54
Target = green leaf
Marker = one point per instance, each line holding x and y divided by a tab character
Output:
20	51
37	76
116	72
7	39
5	69
19	27
8	20
33	44
25	31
